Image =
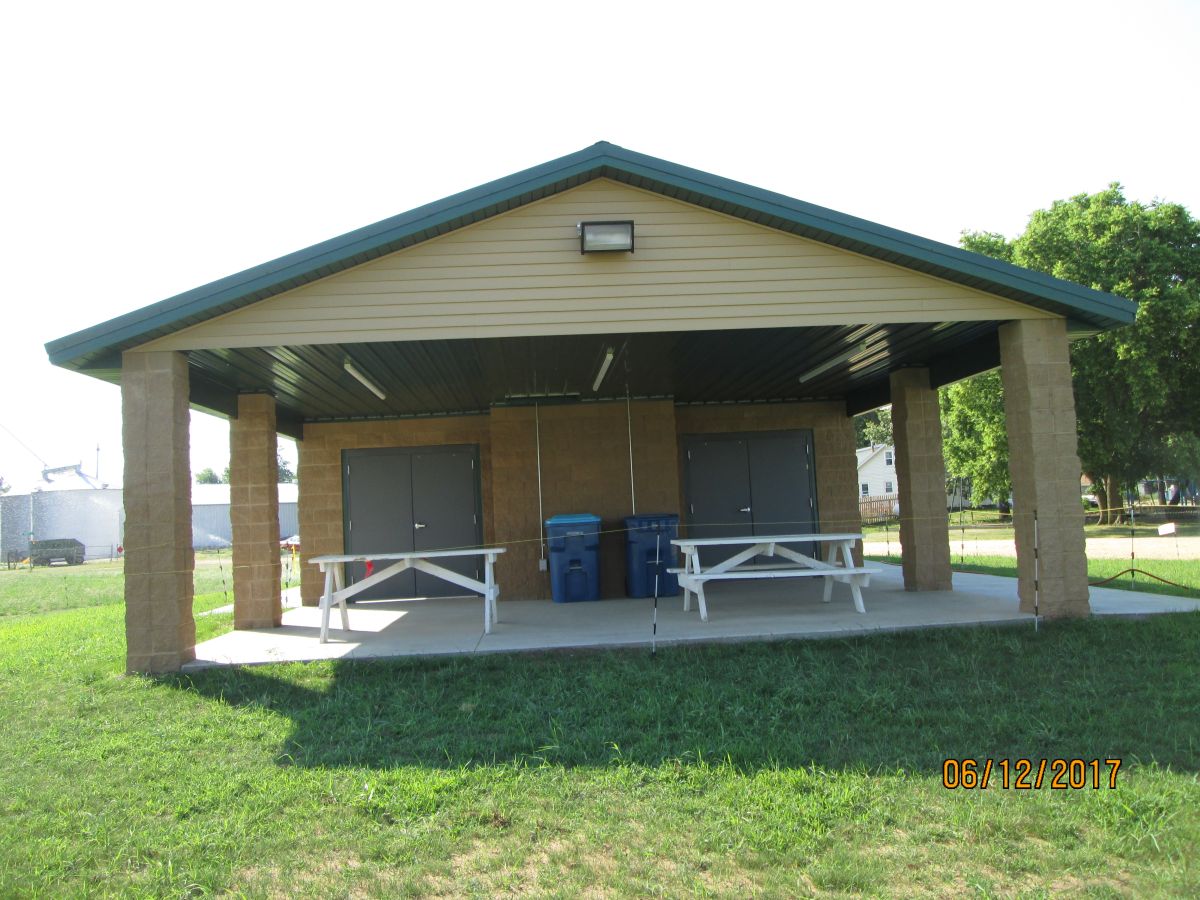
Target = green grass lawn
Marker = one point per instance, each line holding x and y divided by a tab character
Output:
986	526
1184	572
97	583
777	769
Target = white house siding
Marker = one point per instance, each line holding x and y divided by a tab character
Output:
874	471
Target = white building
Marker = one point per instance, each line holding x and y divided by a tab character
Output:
877	471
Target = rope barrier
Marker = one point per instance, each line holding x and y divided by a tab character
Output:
1129	571
693	528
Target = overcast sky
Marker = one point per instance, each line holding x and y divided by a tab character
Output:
151	148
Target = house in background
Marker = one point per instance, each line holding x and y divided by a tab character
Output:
878	484
607	333
876	471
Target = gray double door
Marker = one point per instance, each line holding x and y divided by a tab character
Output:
749	484
401	499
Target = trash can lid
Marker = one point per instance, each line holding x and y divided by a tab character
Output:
574	519
651	519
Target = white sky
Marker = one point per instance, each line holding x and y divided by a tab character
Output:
149	148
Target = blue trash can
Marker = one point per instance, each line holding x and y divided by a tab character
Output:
648	538
574	541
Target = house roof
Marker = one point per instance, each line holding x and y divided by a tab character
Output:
865	454
97	349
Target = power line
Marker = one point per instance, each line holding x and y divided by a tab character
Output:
45	465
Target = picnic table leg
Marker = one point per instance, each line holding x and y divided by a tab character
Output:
687	570
489	597
698	590
855	590
326	599
339	582
831	558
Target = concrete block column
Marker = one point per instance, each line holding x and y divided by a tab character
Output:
1043	460
921	482
836	472
319	475
160	633
254	513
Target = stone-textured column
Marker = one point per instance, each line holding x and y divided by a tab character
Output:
921	482
319	475
836	470
160	633
1043	460
254	513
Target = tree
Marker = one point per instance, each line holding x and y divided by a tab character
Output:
974	439
873	428
286	475
1134	393
207	476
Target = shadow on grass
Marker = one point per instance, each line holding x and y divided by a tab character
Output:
1096	688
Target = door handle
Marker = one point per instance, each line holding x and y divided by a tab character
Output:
744	509
419	525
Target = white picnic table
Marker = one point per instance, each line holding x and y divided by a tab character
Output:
693	575
333	565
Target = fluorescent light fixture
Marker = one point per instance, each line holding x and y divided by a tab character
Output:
848	353
364	380
603	237
608	358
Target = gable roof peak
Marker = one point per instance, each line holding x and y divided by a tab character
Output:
99	347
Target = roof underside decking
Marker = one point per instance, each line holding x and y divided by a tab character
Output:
443	377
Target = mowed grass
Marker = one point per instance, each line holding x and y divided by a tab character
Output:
1184	573
976	525
771	769
100	582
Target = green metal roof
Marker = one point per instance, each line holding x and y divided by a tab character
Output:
98	348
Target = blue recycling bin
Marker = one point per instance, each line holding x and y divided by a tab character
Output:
574	541
649	553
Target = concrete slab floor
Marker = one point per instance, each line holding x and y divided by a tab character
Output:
737	611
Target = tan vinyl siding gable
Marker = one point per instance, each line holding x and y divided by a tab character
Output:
521	273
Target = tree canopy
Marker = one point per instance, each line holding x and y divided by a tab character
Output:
285	476
974	440
874	427
1135	395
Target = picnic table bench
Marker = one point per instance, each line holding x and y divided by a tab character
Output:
333	565
693	575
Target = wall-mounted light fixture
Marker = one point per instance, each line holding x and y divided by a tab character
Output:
608	358
604	237
364	380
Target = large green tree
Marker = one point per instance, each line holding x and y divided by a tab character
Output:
1135	387
974	439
